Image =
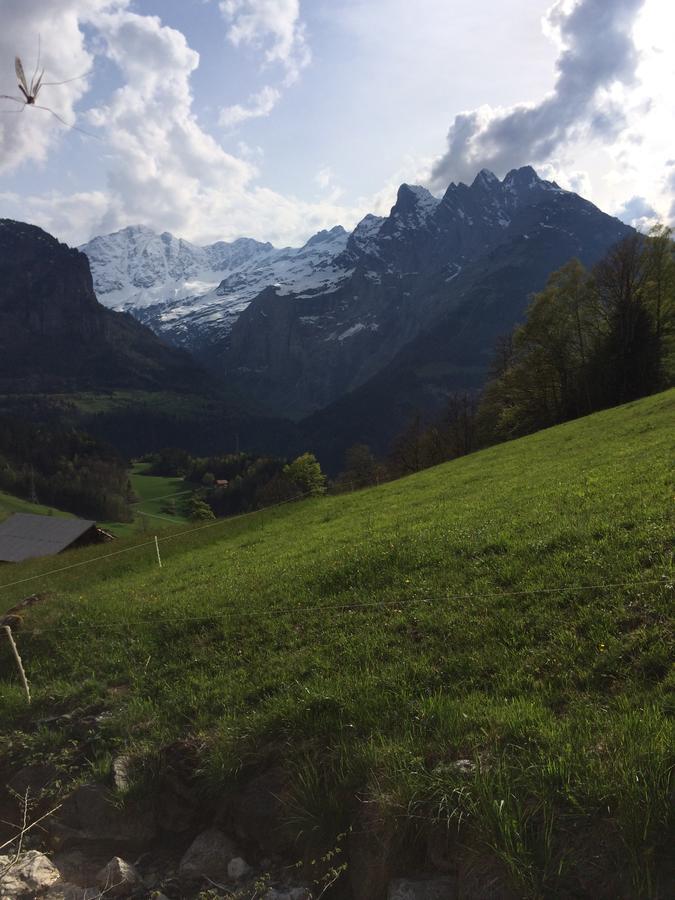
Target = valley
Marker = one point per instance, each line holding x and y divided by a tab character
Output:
430	650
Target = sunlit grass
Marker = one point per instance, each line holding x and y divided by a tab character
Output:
511	608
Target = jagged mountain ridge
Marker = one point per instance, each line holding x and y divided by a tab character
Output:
420	269
193	295
295	330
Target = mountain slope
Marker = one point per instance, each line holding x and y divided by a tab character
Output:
293	331
54	335
460	270
192	295
509	609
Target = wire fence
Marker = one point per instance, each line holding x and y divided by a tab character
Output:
172	536
290	609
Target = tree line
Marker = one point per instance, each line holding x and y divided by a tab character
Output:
64	468
590	340
234	483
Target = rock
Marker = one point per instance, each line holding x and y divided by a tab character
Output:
77	867
441	849
31	874
64	890
90	815
464	766
122	767
175	813
50	316
258	812
237	868
33	778
288	893
372	852
483	877
209	855
118	878
423	889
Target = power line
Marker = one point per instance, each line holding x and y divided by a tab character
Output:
346	607
163	497
167	537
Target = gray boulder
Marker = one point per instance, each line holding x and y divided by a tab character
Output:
89	814
33	873
209	855
118	878
237	868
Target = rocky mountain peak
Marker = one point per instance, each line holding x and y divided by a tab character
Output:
413	199
485	180
337	231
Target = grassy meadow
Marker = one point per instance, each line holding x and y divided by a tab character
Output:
150	515
10	505
511	608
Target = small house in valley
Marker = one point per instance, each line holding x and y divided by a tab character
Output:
26	536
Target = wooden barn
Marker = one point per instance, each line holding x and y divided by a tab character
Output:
25	536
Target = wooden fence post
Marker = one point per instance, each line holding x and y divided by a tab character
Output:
15	651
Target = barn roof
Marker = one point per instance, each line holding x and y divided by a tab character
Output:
24	536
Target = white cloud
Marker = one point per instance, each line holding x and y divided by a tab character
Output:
639	213
324	177
611	109
163	169
597	60
28	134
271	25
274	28
260	104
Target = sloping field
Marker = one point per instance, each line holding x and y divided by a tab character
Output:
10	505
509	610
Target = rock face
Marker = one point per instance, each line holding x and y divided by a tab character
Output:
457	271
422	889
89	816
192	294
419	294
55	335
33	873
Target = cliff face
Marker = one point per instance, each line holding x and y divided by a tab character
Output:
55	335
463	266
46	290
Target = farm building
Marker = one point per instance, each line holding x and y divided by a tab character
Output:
25	536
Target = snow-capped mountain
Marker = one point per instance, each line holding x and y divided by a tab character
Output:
463	266
295	329
188	293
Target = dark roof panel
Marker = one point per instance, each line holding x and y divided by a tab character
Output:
24	536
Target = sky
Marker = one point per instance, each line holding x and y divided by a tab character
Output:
273	119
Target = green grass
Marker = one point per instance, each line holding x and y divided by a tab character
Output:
152	491
511	608
10	505
149	516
